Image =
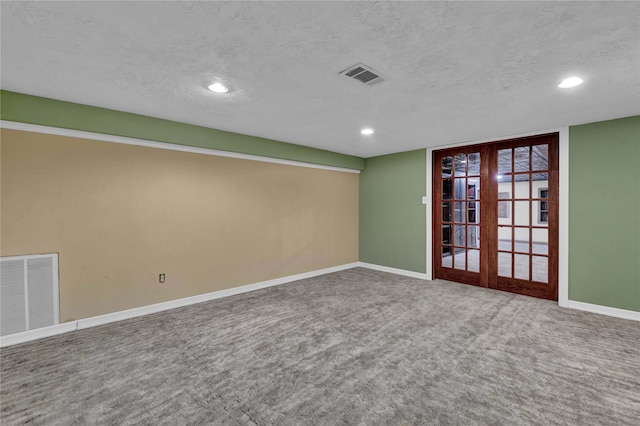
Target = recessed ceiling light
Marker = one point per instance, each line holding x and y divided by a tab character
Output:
570	82
367	131
218	88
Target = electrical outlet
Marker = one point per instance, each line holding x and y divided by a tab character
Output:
161	278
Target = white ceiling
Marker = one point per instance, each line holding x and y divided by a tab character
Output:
457	71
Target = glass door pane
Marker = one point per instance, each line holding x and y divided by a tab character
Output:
522	177
458	174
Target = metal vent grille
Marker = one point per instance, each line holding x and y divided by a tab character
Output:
28	293
363	74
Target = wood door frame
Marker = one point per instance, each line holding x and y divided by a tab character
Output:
480	279
563	204
548	290
489	223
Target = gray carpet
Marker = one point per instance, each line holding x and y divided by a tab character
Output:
357	347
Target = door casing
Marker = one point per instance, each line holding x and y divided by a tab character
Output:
563	204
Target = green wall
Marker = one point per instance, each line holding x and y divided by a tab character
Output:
604	213
604	198
49	112
392	216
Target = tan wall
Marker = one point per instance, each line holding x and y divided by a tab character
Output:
119	215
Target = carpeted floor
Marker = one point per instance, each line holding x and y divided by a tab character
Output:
358	347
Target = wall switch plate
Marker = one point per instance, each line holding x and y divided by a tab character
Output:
424	200
161	278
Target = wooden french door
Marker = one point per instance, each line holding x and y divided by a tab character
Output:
495	215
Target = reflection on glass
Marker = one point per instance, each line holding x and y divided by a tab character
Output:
505	178
522	213
505	238
504	161
521	237
446	211
540	271
446	257
540	157
446	166
459	190
473	164
472	190
473	236
459	233
446	234
459	211
504	264
504	213
522	186
446	189
541	179
473	260
460	261
522	159
476	188
460	167
473	214
540	239
521	262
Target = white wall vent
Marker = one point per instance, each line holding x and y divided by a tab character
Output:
364	74
29	297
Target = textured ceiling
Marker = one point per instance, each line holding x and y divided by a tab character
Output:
456	71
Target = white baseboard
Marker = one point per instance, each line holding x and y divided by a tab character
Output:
27	336
404	272
604	310
572	304
38	333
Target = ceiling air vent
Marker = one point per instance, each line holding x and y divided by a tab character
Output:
363	74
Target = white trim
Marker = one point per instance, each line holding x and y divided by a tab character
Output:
396	271
13	125
604	310
429	208
40	333
31	335
56	290
30	256
563	204
498	138
25	291
158	307
563	217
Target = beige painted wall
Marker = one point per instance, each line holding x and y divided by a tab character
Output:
119	215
